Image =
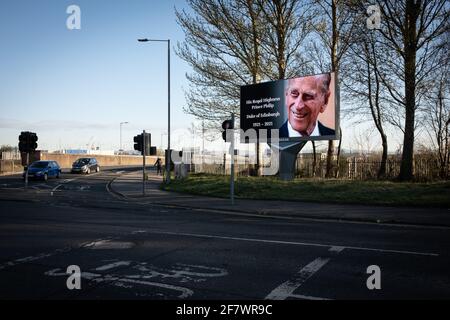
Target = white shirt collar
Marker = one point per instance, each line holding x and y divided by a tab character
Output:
293	133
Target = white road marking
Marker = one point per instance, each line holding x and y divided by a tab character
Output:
185	292
181	271
113	265
294	243
33	258
110	244
303	297
56	188
336	249
120	172
286	289
119	282
303	218
44	255
123	280
65	181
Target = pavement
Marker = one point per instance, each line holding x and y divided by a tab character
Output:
129	186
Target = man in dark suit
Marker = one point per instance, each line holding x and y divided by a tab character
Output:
305	98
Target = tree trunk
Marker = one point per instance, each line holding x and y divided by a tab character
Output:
330	152
314	158
382	169
338	153
406	168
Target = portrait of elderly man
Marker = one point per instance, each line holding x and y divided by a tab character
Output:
306	98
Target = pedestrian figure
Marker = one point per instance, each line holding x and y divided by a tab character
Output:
158	166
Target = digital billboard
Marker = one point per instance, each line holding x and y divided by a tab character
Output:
303	108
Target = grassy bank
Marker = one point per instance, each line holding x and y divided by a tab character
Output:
436	194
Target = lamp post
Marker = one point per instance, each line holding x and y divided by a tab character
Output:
122	123
168	103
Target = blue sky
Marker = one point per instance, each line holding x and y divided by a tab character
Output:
73	87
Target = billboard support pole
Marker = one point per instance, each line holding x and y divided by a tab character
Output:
288	153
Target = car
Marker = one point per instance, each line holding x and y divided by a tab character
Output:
43	170
85	165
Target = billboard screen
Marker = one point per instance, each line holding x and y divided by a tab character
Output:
303	108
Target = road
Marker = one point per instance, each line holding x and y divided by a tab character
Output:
137	250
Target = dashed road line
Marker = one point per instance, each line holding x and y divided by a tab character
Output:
286	289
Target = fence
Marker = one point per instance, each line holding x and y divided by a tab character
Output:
353	168
7	155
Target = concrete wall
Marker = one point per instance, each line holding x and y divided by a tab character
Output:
11	166
66	160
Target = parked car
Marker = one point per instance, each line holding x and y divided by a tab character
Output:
43	170
85	165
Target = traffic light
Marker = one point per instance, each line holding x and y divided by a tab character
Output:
27	141
148	142
139	143
23	144
33	141
227	124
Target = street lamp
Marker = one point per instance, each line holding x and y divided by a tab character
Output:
168	103
121	134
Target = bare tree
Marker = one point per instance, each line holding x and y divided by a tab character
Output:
287	23
438	120
222	46
239	42
365	89
412	32
335	28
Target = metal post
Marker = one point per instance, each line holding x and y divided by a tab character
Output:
168	112
143	163
120	147
225	164
26	172
232	162
168	103
203	144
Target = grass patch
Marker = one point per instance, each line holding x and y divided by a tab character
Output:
433	194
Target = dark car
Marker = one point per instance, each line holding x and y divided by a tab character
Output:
43	170
85	165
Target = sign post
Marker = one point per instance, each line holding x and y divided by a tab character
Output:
26	172
232	161
143	161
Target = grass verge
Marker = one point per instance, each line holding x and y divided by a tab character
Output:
434	194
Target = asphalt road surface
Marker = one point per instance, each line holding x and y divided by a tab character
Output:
136	250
